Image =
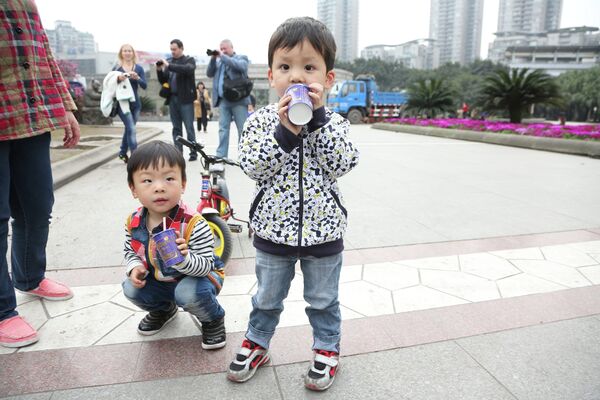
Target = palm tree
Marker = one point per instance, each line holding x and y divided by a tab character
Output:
429	97
516	90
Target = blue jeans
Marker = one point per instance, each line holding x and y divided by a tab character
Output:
227	112
197	295
26	195
182	113
129	141
321	281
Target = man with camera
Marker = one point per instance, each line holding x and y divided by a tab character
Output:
231	89
176	74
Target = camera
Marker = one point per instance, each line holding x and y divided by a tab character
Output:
210	52
127	75
159	63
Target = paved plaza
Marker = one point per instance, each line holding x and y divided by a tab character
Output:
471	271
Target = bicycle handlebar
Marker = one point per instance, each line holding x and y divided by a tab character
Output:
187	143
209	159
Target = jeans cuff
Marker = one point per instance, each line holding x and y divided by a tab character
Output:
328	343
259	337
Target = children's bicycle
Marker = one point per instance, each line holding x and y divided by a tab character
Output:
214	202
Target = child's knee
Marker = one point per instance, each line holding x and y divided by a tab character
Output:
202	304
321	302
185	298
129	291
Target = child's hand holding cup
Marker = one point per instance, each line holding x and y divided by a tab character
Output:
300	107
167	247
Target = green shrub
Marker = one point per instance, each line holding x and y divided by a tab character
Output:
148	104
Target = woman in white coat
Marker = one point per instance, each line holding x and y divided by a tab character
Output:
134	72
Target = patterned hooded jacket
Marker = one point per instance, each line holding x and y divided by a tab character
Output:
297	207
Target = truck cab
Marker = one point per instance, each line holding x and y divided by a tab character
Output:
349	99
360	100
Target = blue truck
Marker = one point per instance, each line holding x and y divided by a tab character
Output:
360	101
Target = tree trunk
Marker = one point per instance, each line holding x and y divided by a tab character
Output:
515	115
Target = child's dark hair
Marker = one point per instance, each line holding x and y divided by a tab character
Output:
293	32
154	154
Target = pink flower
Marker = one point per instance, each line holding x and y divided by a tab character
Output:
585	132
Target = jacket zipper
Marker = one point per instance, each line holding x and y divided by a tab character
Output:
257	200
338	202
300	192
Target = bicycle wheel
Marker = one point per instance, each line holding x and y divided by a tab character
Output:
222	235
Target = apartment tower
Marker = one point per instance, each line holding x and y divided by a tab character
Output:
341	17
530	16
455	27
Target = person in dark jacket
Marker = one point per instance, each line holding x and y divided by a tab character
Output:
178	72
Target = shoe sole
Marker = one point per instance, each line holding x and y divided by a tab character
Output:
316	388
234	378
41	296
213	346
150	333
23	343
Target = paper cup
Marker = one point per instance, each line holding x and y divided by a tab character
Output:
300	108
167	247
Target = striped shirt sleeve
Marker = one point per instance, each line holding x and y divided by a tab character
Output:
132	260
199	260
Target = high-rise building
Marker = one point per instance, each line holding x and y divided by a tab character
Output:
530	16
413	54
455	27
557	51
66	41
79	48
521	22
341	17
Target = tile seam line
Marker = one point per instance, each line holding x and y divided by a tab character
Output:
595	313
457	241
274	365
456	342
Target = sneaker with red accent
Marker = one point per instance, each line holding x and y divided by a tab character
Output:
247	360
50	290
16	332
322	370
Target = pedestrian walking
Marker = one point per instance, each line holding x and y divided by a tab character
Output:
201	106
136	77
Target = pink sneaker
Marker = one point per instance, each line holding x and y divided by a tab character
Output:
51	290
16	332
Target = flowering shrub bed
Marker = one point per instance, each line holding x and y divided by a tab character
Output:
584	132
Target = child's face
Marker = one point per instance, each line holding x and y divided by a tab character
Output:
301	64
159	190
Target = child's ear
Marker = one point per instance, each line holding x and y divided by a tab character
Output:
270	77
183	186
329	79
133	193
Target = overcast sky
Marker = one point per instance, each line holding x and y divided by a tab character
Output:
150	25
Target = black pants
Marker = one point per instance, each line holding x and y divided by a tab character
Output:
203	120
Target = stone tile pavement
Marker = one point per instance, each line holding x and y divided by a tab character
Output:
101	315
471	301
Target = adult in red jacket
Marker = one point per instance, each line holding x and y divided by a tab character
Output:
34	101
